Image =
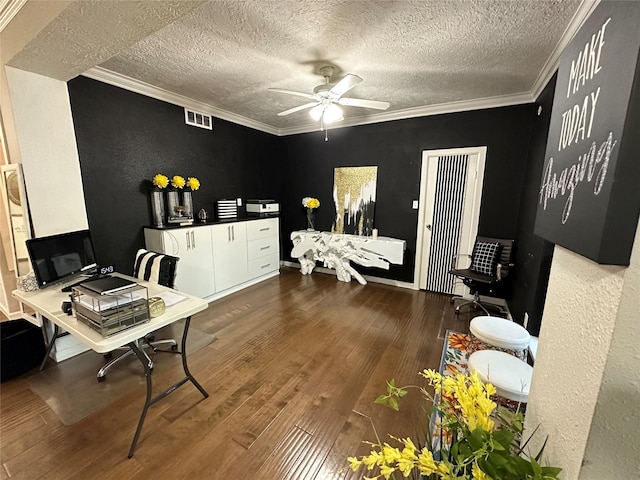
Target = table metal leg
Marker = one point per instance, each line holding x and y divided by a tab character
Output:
147	371
52	342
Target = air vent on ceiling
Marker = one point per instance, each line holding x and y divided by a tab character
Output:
198	119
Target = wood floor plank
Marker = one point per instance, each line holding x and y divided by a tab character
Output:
291	377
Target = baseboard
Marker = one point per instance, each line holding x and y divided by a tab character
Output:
368	278
237	288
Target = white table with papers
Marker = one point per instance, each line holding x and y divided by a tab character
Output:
47	303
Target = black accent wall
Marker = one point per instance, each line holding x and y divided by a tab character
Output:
534	254
396	148
124	139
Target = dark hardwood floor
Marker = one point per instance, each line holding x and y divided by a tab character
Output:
294	369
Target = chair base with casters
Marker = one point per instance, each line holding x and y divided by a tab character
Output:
153	267
475	303
142	344
490	264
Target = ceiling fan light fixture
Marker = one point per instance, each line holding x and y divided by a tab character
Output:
316	112
332	114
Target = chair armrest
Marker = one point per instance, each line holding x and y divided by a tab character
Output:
499	268
454	260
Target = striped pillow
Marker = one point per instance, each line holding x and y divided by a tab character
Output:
155	267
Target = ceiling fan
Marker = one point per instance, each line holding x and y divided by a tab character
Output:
327	98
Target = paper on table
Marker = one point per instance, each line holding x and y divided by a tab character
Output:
170	298
113	301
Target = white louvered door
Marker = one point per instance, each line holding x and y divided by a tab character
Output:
451	187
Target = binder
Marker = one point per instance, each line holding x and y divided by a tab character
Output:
108	285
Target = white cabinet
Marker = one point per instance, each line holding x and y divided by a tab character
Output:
193	246
229	254
263	247
216	260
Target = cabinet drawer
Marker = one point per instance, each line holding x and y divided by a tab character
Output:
266	227
262	247
263	265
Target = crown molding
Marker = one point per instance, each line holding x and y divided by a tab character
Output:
425	111
8	10
582	13
133	85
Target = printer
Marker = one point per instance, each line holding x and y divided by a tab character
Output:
262	208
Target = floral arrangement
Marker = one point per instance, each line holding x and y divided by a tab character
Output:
160	181
475	439
177	181
193	183
310	204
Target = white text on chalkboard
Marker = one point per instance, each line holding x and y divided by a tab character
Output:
570	177
574	121
587	65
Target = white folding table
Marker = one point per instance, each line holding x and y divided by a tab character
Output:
47	303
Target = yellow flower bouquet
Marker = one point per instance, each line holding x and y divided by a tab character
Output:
160	181
310	204
193	183
177	181
474	440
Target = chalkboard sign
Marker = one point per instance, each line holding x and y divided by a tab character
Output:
589	199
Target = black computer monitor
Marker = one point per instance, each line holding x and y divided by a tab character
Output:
59	257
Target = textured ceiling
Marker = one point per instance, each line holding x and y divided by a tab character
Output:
226	54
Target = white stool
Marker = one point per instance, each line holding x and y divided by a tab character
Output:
510	375
495	333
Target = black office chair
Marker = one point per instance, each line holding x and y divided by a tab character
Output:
153	267
490	264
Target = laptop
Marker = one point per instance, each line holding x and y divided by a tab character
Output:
107	285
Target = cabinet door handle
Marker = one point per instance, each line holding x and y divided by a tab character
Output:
188	242
228	233
233	233
265	265
265	248
265	229
193	239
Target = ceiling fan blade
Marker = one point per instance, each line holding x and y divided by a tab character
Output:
297	109
358	102
346	84
293	92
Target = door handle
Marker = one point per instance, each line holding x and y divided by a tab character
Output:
188	242
429	227
228	233
233	233
193	239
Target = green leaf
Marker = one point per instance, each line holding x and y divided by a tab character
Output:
496	445
551	472
382	399
504	437
393	403
401	393
497	460
539	455
487	468
476	439
535	466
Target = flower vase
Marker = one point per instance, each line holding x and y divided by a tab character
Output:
157	208
187	203
310	219
173	201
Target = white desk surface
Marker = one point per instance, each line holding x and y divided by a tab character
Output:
48	302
